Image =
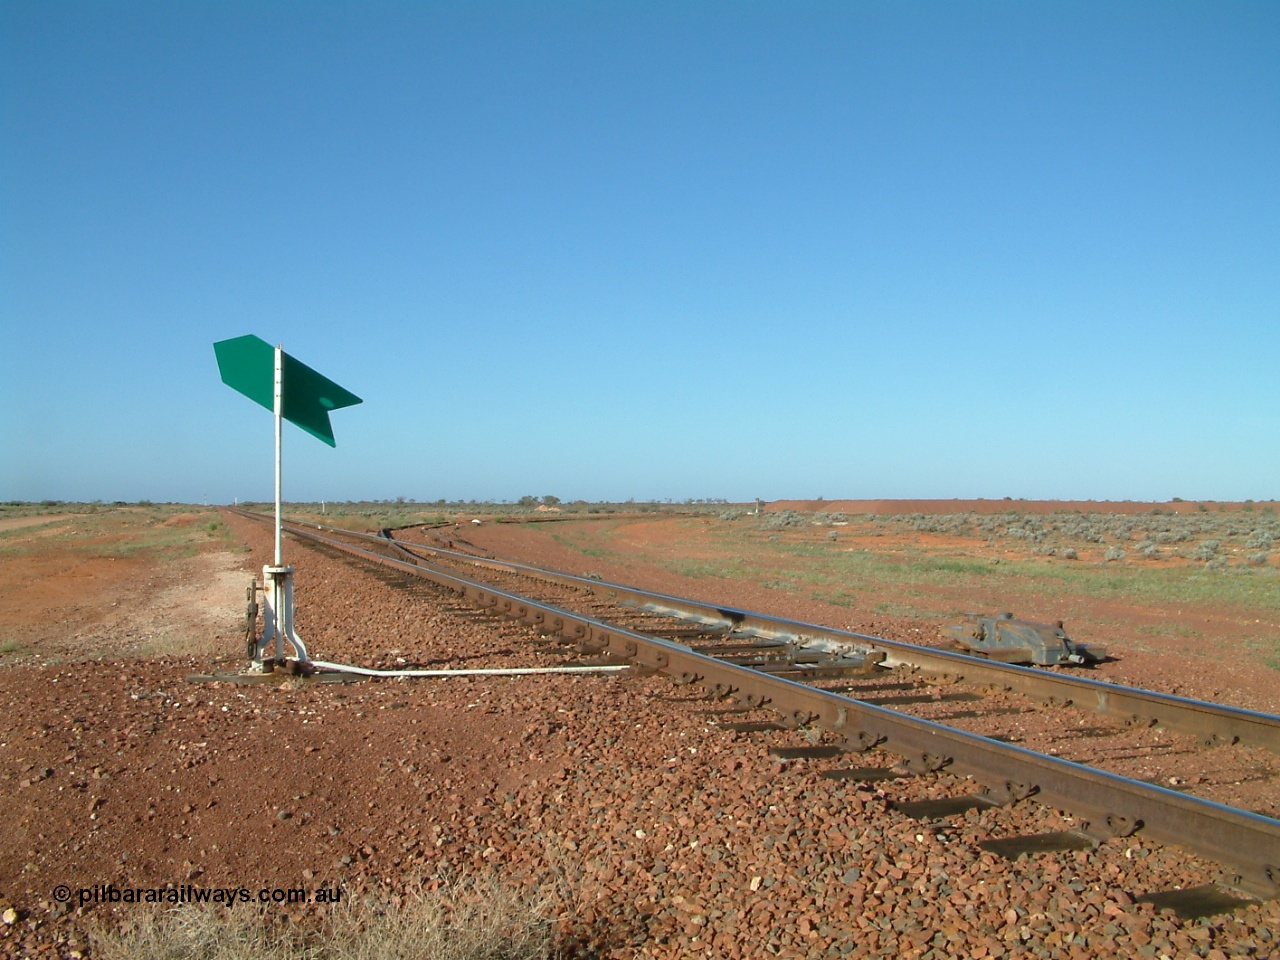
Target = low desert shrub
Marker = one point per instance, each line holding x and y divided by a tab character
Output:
951	523
1259	540
1206	551
785	518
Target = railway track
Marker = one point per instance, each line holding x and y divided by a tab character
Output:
851	694
810	651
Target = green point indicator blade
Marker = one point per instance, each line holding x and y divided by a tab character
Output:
309	396
247	364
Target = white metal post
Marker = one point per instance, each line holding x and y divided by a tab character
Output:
279	404
239	361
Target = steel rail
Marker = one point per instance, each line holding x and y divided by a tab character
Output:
1211	722
1104	804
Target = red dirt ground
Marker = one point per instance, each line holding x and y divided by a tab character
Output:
663	835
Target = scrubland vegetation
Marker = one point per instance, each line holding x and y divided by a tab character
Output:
165	530
1218	540
402	512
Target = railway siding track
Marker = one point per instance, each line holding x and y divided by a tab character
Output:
1211	723
1212	762
1104	804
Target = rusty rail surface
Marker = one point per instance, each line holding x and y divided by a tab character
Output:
1103	803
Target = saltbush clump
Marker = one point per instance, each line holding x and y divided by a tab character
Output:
1259	540
829	519
786	518
1080	528
1206	551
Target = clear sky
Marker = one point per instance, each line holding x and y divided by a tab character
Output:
645	249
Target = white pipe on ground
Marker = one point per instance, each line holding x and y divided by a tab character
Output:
476	672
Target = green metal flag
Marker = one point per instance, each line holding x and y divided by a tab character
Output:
247	365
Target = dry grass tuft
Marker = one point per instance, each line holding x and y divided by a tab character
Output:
474	920
200	933
471	920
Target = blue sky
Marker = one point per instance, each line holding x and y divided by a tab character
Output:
651	250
